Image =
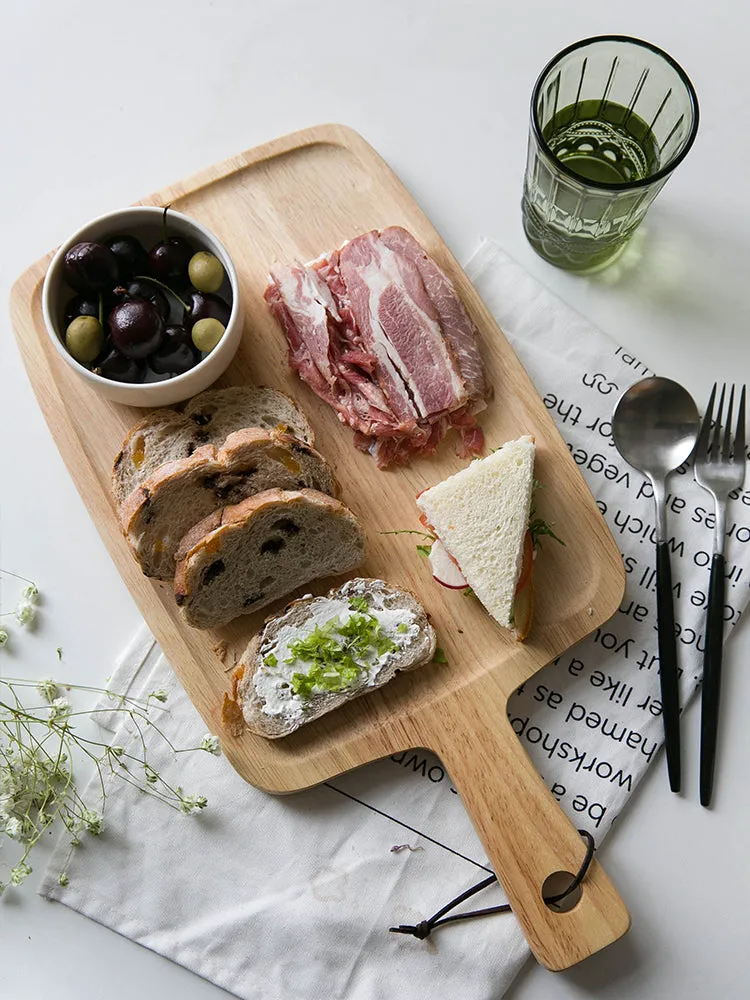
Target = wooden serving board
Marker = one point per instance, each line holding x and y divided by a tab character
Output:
295	198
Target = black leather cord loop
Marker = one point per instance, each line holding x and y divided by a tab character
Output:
424	928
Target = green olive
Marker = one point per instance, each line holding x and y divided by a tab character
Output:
84	338
207	333
205	271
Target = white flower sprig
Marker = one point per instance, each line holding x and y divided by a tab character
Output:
25	610
210	744
39	746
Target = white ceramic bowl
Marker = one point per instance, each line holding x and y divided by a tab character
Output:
145	223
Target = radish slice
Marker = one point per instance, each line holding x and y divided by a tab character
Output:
444	569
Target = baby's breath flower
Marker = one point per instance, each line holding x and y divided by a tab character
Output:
25	613
60	709
38	747
48	689
210	743
92	820
14	827
192	803
19	873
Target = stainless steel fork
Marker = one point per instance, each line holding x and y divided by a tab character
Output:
719	468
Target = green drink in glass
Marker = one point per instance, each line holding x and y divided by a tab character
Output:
611	117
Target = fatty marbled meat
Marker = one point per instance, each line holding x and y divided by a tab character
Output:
377	331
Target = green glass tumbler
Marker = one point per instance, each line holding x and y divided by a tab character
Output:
611	118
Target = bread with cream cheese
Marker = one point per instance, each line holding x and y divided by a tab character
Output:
264	684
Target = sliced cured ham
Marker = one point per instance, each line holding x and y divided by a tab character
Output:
376	329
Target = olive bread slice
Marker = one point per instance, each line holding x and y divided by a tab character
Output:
209	418
243	557
160	511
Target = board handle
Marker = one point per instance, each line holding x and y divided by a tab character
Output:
526	834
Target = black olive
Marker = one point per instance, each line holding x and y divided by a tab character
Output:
211	572
287	525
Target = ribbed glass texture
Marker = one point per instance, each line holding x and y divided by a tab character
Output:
611	118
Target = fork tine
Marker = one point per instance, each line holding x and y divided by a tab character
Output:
715	445
739	437
727	445
701	445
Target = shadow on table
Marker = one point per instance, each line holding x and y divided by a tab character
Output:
677	265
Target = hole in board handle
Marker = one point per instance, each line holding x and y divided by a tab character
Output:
557	885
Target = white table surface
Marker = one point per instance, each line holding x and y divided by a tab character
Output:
104	103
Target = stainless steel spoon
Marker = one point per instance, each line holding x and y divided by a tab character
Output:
655	425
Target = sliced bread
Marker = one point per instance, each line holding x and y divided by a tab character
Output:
209	418
162	509
243	557
277	697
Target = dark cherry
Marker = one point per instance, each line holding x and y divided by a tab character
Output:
168	261
117	367
176	354
90	267
130	256
205	305
140	288
81	305
136	328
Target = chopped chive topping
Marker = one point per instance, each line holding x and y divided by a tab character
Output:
424	550
439	656
403	627
337	653
270	660
359	603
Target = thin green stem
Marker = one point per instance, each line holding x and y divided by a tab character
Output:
7	572
155	281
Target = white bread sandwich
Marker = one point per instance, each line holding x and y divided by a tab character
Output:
481	519
324	651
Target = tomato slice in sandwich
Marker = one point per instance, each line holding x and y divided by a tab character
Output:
527	564
523	604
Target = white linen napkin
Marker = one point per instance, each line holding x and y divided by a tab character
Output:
278	898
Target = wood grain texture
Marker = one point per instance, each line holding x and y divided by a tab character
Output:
295	198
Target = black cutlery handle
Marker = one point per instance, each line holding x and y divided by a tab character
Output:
712	676
670	693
